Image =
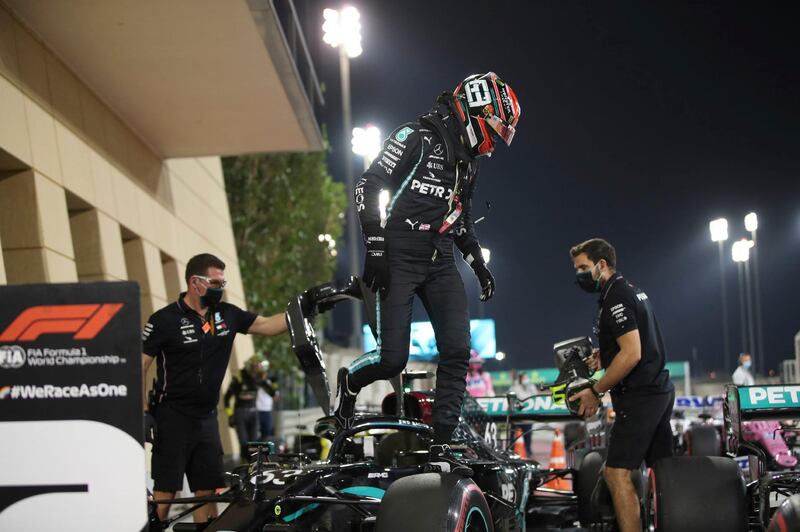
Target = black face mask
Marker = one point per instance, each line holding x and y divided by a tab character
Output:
585	281
212	297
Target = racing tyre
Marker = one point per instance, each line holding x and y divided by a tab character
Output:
434	502
589	472
703	440
697	494
787	517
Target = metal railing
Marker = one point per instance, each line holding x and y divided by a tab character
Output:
298	48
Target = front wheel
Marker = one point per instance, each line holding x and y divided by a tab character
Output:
434	502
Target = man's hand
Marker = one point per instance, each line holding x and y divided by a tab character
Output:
376	265
474	258
594	361
590	403
149	427
486	279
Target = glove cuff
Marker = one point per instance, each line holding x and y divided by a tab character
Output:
373	237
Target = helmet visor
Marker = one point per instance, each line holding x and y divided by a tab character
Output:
503	130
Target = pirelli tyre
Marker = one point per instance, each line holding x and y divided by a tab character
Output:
696	494
787	516
703	440
589	471
434	502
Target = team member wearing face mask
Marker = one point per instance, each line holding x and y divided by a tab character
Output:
192	339
633	355
742	375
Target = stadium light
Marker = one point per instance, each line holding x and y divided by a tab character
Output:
343	28
740	251
718	229
500	355
487	254
366	142
751	222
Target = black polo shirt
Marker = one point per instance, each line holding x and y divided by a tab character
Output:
193	352
625	308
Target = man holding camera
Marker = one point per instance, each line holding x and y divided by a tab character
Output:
632	352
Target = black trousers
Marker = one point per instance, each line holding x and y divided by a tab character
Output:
437	283
246	428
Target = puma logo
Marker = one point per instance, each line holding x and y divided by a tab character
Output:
412	224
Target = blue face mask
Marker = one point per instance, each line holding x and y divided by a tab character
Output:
746	365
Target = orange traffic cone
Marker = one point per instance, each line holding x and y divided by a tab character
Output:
519	444
558	460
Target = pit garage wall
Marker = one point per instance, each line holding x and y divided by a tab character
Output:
83	198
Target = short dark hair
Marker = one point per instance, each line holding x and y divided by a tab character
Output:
199	265
596	249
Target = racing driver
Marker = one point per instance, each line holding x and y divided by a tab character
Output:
429	168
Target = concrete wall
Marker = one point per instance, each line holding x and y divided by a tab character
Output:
83	198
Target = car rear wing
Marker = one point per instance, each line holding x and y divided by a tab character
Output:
533	408
746	403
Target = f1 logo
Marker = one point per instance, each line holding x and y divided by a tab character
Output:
86	321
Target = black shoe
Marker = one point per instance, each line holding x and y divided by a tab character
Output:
442	460
346	410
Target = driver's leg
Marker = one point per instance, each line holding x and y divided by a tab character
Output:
446	303
393	316
626	501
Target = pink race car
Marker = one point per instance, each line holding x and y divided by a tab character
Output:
769	435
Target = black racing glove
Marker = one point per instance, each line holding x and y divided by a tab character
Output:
474	258
149	427
376	265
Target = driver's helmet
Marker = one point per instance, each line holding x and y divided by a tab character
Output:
488	108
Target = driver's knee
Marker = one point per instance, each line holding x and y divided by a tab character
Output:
617	478
391	367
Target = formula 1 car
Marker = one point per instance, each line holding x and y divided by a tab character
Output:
744	404
376	476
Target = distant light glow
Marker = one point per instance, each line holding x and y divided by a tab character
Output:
500	355
718	229
343	28
740	251
751	222
487	254
366	141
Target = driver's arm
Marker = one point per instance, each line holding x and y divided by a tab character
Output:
630	353
268	325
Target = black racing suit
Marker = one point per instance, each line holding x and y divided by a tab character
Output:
430	178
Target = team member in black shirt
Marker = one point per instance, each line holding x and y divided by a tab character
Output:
192	339
242	392
633	355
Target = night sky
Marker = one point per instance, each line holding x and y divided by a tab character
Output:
639	124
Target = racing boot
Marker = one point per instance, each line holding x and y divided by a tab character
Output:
346	410
442	460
